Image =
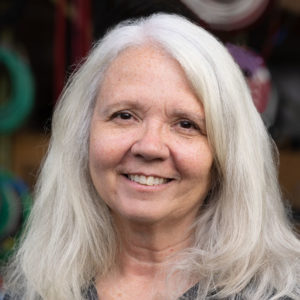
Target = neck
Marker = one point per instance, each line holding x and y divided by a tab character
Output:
144	253
146	248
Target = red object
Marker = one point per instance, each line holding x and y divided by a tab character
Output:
59	48
81	34
257	75
260	86
81	38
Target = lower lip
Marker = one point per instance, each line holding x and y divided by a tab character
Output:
146	188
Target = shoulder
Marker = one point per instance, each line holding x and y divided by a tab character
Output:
190	294
9	297
91	293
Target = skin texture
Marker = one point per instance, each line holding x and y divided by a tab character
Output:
148	121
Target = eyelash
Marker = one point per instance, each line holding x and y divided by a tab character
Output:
191	124
119	115
125	115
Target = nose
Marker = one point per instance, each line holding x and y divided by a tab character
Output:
151	143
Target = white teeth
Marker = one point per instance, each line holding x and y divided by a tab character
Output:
147	180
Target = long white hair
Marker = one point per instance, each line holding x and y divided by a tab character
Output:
244	243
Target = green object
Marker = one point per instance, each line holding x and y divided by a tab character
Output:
18	106
10	211
15	206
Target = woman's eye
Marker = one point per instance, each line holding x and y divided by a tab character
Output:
124	115
188	124
190	127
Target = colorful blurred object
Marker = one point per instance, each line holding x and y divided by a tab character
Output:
227	15
15	109
259	81
79	13
15	205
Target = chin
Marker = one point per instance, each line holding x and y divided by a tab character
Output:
141	217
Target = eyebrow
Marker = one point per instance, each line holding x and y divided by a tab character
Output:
188	114
119	105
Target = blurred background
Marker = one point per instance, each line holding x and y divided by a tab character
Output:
41	42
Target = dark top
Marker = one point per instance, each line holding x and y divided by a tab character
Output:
91	294
190	294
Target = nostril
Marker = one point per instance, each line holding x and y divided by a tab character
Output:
150	149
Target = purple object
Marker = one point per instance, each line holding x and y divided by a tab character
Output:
246	59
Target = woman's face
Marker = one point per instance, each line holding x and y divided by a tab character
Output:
149	156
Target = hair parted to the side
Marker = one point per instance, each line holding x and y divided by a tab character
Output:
244	243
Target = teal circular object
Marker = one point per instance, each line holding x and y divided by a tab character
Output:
15	109
15	206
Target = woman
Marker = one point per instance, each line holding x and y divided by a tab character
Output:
159	182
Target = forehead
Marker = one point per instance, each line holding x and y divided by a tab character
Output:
148	76
149	53
148	62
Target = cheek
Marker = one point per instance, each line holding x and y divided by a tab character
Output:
195	161
107	148
102	152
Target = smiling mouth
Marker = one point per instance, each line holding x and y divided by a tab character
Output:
147	180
